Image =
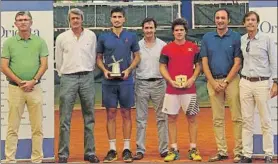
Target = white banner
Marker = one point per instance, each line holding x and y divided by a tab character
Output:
43	27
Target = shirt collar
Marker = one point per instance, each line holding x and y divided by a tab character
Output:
80	34
256	36
19	37
144	42
123	31
228	33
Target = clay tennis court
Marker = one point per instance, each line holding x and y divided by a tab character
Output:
206	142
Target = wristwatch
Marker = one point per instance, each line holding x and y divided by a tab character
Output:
226	81
275	80
36	80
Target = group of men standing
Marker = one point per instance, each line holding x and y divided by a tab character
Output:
157	67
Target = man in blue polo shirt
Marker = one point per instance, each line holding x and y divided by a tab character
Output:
117	46
221	59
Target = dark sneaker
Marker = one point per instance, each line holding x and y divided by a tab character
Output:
218	157
91	158
237	158
245	160
63	160
110	157
194	154
267	159
127	156
138	156
163	155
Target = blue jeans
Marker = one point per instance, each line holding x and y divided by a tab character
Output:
70	86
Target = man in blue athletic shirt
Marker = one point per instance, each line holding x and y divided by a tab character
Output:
117	46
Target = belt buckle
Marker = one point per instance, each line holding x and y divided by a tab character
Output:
260	79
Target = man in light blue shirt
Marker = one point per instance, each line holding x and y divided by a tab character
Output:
150	85
260	64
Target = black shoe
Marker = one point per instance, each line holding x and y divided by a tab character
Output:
267	159
138	156
163	155
218	157
91	158
127	156
245	160
63	160
110	157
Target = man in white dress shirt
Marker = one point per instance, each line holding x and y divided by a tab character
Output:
75	62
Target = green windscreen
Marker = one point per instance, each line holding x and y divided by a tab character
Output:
99	15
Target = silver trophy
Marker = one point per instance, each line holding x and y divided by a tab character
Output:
116	72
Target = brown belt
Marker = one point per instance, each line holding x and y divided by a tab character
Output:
255	79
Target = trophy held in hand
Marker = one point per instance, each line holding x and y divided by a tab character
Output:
116	72
181	80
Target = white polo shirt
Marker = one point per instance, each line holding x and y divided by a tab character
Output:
149	64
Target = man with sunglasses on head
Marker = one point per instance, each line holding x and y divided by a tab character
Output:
114	52
24	61
260	64
221	59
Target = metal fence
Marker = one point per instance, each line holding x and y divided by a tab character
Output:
203	12
97	15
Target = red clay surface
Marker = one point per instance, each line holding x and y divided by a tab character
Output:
206	141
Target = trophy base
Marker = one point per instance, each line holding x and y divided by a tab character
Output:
115	75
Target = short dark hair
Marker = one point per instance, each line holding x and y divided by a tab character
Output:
180	21
223	9
117	10
21	13
250	13
149	20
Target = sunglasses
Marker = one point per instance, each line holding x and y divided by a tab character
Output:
247	49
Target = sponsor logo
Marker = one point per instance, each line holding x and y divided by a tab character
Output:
8	32
267	27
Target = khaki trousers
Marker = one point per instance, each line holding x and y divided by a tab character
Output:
17	99
217	100
251	94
